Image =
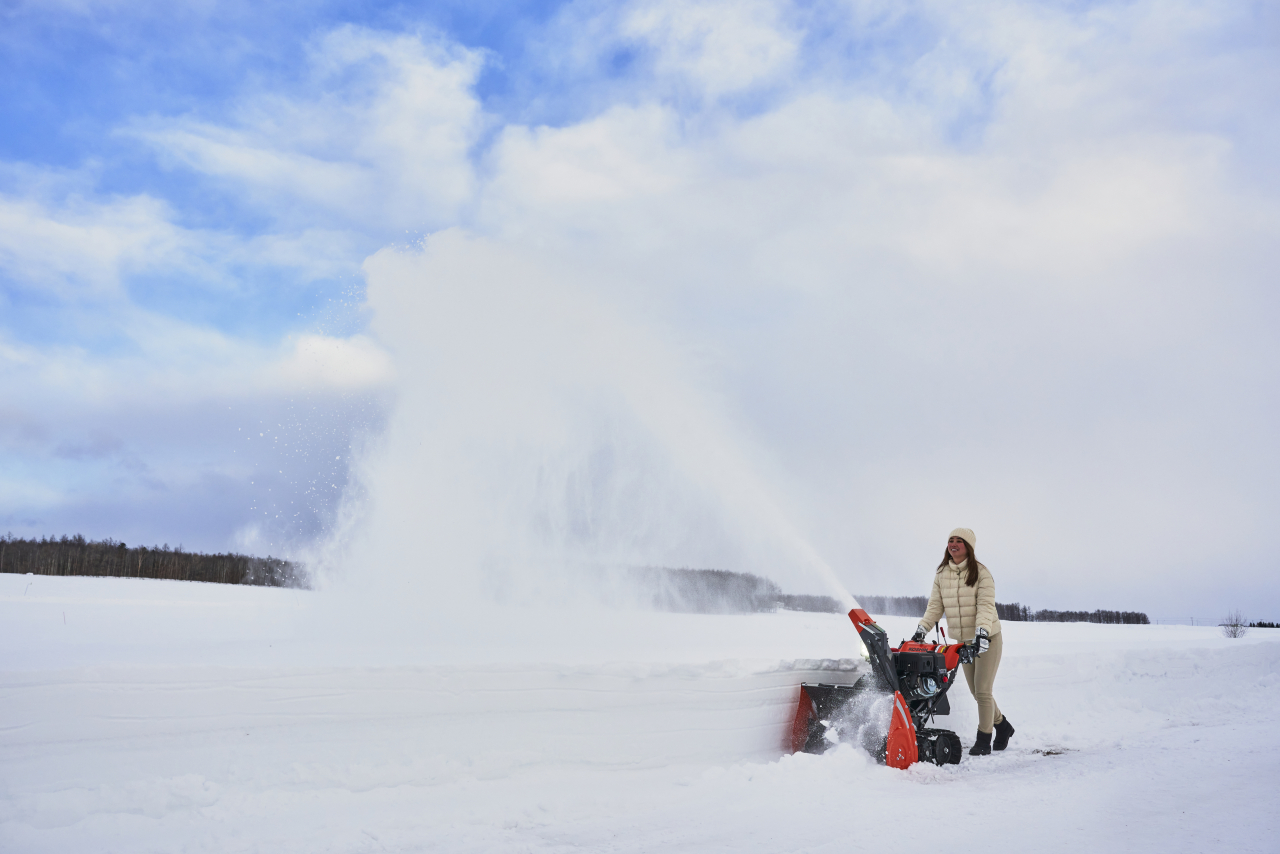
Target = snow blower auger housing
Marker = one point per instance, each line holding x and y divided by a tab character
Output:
918	675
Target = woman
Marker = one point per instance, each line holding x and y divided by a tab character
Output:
964	591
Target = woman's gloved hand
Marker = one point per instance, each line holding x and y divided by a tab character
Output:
982	639
919	635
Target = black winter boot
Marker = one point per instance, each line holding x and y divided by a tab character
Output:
1004	730
982	746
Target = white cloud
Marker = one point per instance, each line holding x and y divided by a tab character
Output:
380	138
86	247
58	239
716	47
618	157
186	436
175	364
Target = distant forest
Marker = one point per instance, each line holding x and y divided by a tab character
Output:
914	606
720	591
697	591
78	556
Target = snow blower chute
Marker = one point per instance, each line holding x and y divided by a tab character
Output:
918	675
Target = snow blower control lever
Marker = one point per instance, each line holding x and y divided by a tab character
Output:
917	674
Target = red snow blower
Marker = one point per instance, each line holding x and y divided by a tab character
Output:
917	675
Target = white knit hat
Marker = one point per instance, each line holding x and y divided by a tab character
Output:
965	534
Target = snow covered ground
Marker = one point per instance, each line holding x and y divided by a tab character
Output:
140	716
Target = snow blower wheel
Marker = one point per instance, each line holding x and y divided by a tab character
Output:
939	746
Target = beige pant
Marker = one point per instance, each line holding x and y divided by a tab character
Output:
988	663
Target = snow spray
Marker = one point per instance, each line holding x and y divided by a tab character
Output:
541	439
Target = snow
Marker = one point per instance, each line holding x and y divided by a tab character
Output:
140	716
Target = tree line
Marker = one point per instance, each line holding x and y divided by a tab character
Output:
720	591
78	556
914	606
1128	618
701	591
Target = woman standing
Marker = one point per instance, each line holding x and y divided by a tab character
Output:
965	592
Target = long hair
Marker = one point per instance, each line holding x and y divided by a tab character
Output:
971	574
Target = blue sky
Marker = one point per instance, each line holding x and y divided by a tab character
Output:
77	76
867	243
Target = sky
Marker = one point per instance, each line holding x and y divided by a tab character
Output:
785	287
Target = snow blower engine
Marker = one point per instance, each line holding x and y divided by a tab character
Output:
918	675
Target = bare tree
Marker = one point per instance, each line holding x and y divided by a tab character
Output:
1234	626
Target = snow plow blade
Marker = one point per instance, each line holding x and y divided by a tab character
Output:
818	704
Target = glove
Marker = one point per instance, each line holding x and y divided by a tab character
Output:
982	640
967	652
919	635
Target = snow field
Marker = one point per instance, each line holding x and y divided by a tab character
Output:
273	740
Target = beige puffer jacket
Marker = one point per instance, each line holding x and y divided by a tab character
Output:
966	608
